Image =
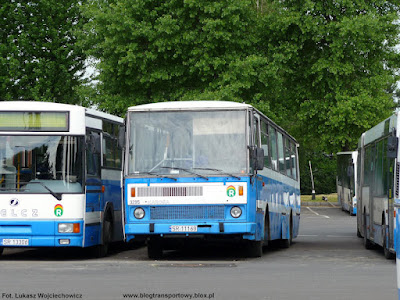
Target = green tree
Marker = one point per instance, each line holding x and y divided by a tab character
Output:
39	55
345	72
325	70
151	51
342	77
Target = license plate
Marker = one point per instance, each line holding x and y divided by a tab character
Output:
183	228
15	242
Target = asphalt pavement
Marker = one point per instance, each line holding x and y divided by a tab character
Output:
326	261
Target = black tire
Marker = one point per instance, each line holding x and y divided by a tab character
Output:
367	243
154	248
267	229
359	233
102	250
285	243
255	248
1	250
386	251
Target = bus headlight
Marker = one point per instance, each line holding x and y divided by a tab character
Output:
69	228
236	212
139	213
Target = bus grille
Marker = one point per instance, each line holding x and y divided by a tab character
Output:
209	212
180	191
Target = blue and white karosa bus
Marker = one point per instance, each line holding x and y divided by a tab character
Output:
346	181
378	185
60	176
209	169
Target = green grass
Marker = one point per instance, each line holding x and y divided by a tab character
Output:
318	198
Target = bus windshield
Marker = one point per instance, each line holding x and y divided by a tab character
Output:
41	164
187	142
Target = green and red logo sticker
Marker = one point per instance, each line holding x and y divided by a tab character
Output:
231	191
58	210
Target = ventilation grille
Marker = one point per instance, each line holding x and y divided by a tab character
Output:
195	212
184	191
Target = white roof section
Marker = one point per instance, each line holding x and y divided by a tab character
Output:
190	105
346	152
51	106
37	106
381	129
103	115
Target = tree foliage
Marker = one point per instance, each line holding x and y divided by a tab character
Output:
325	70
39	55
345	72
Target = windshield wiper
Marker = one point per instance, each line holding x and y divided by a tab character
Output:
54	194
219	171
158	175
185	170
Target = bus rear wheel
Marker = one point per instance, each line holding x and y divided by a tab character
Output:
386	251
367	243
102	250
285	243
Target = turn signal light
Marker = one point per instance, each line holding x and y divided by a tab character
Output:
133	192
77	228
240	190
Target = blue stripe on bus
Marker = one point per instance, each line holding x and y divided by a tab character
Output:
39	233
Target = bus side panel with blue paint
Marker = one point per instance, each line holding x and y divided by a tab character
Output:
209	169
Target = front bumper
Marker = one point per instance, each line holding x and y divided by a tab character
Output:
147	229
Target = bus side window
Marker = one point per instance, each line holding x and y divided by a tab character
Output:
111	149
274	153
93	156
265	143
293	156
256	132
287	158
281	155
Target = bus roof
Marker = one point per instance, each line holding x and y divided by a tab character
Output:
189	105
51	106
346	152
380	130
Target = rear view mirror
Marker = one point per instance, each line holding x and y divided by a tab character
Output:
257	158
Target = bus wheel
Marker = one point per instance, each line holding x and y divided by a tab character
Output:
102	250
154	248
359	233
285	243
367	243
255	248
386	252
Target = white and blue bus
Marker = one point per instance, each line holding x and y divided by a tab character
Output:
209	169
60	176
346	181
378	185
